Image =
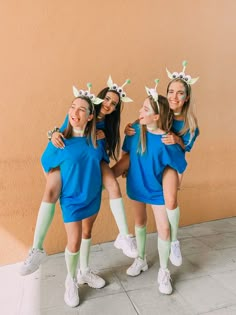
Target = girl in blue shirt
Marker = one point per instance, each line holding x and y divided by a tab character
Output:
81	181
184	132
107	115
147	159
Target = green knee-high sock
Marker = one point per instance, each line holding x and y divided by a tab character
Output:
84	253
118	211
71	262
164	252
173	216
44	219
140	233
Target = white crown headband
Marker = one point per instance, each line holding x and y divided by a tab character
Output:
119	89
181	75
153	92
95	100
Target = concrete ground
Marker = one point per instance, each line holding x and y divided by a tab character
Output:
204	284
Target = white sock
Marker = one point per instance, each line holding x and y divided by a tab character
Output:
84	253
164	252
44	219
118	211
71	262
173	217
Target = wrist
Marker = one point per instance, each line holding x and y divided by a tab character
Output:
51	132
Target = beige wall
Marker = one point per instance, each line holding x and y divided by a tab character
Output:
47	46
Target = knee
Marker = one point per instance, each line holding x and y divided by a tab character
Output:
87	233
73	245
51	195
140	222
171	203
164	232
112	188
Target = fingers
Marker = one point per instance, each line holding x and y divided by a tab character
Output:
57	140
167	139
129	131
100	134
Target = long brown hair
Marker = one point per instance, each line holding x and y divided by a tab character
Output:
90	129
112	125
164	122
190	119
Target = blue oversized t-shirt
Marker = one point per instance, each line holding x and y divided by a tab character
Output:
144	178
80	169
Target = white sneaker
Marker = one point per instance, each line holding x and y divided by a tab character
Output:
138	265
71	296
127	244
175	254
164	281
35	258
91	278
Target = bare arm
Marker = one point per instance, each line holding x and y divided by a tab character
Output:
121	166
57	140
129	130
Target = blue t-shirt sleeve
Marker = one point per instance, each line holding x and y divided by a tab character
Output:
65	123
173	156
51	157
128	139
186	140
102	146
126	144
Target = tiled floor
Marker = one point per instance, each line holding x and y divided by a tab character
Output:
204	284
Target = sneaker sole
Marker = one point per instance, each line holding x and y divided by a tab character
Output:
174	263
70	305
145	268
165	292
22	273
90	285
126	254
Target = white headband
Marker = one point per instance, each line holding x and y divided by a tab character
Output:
95	100
119	89
181	75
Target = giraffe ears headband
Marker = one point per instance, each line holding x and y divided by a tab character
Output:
153	93
181	75
119	89
86	93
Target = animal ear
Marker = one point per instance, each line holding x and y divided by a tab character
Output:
109	82
75	91
169	74
126	99
193	80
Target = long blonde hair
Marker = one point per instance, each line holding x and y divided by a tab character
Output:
190	119
164	122
90	129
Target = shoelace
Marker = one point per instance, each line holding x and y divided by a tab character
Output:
30	257
73	290
176	250
136	263
93	273
166	277
132	242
